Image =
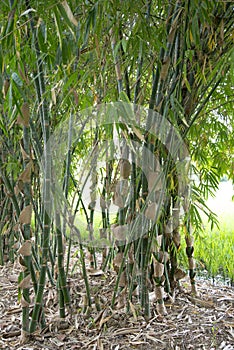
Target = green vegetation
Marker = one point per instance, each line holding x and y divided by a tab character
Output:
214	252
215	248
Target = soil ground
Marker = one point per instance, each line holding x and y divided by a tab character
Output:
202	322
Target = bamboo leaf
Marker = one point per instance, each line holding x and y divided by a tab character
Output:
87	29
58	26
138	133
69	13
24	115
27	12
63	9
124	44
123	97
2	127
195	30
17	79
53	95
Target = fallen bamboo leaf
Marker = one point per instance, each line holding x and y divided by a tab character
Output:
105	319
228	324
135	343
13	311
57	342
123	331
200	302
133	310
92	340
11	334
156	340
100	344
95	273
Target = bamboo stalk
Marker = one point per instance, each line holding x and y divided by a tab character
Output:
4	205
65	189
64	296
45	126
76	231
189	251
27	236
92	205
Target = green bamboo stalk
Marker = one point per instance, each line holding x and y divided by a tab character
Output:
36	253
94	176
104	208
132	213
66	186
64	296
45	242
10	190
116	63
4	205
45	126
75	231
121	269
85	276
27	258
189	251
11	240
158	89
159	83
138	76
15	203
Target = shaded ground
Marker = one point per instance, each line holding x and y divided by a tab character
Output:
203	322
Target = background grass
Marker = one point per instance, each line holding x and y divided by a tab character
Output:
214	249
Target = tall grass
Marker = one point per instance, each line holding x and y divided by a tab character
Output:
214	252
214	249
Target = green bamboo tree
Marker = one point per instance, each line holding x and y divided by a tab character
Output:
171	57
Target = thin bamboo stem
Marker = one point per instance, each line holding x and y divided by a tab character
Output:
27	235
45	125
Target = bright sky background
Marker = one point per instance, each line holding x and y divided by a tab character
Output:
222	204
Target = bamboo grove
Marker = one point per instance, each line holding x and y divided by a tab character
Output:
161	74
